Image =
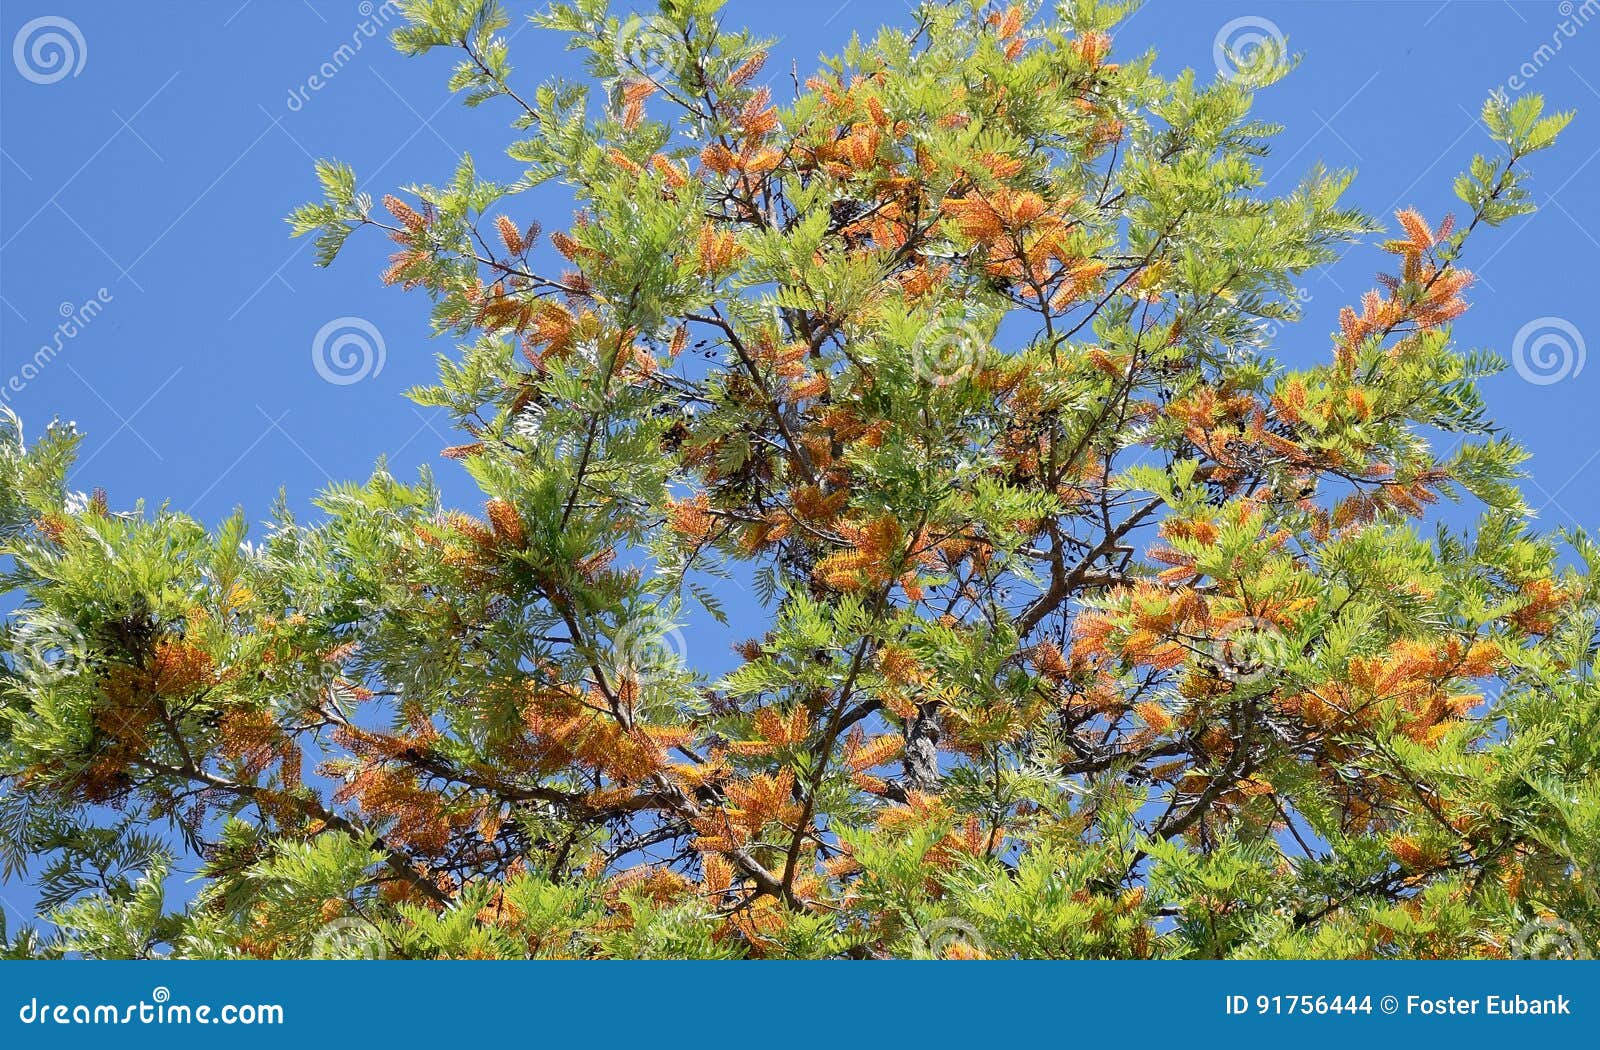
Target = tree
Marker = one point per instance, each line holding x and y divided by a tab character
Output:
1094	631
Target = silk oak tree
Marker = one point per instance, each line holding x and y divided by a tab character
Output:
1075	624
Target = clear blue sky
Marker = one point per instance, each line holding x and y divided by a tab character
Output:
160	171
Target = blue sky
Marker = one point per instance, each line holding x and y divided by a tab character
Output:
153	177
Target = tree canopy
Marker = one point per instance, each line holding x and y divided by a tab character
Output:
1092	629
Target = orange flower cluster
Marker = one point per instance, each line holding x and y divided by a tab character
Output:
691	518
862	755
754	803
1027	241
775	732
1425	294
252	737
878	554
420	818
716	250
